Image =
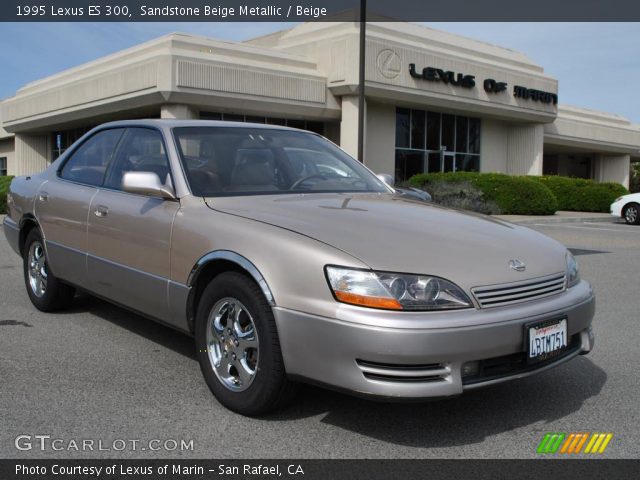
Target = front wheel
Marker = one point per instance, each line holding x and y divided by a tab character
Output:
632	214
45	291
238	346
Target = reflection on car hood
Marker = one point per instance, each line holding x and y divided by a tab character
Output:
396	234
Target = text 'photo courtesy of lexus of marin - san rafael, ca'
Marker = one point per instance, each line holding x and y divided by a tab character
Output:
290	261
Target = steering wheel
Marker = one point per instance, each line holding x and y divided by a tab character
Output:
297	183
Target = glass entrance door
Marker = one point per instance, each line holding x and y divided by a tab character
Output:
440	161
434	162
448	161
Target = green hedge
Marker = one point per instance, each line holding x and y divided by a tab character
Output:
461	195
582	195
4	186
513	195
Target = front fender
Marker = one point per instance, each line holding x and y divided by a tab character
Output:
236	258
288	266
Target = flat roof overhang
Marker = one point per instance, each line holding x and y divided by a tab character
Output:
201	73
412	98
563	144
148	103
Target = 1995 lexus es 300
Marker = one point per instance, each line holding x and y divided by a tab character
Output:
288	260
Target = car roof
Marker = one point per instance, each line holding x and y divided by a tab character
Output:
172	123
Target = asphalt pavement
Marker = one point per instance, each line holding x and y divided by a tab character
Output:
97	372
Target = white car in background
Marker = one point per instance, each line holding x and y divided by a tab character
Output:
627	207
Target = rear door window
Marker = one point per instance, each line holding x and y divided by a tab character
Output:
89	162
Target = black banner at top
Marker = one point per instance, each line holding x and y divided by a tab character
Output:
316	10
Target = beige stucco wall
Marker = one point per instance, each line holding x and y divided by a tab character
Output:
199	72
613	168
33	153
379	153
493	146
177	111
525	149
596	131
349	125
454	97
392	46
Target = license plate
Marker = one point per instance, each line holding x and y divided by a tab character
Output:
546	339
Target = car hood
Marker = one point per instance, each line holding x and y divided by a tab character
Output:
396	234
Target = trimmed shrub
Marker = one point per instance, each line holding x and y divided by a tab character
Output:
4	187
463	195
582	195
512	195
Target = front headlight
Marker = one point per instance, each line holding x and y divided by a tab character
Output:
394	291
617	199
573	275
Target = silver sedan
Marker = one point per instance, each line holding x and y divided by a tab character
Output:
289	261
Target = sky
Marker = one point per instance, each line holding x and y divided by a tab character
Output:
597	64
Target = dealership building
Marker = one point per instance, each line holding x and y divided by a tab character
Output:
434	101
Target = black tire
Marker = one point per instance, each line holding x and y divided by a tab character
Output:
269	388
631	214
56	294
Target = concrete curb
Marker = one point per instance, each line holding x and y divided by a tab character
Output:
555	219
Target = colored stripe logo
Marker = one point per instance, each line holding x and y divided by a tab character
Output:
574	443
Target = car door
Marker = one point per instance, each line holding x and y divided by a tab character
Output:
62	205
129	234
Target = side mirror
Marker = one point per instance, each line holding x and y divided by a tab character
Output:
146	183
386	178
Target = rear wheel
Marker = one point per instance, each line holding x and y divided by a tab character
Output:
45	291
238	347
631	214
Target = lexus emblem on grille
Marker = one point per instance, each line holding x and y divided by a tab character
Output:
517	265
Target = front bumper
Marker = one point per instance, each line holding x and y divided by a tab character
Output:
616	209
355	352
12	232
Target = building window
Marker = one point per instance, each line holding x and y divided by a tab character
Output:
312	126
435	142
63	139
3	166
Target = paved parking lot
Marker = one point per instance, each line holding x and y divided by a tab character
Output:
100	372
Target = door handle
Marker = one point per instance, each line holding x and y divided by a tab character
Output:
43	197
101	211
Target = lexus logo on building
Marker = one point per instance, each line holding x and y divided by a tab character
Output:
517	265
388	63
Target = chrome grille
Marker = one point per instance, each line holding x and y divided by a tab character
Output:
509	293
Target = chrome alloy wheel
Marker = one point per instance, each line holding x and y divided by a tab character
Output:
232	344
37	263
631	214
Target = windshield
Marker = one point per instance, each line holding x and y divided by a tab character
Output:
222	161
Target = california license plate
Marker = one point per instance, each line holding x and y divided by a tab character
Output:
545	339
